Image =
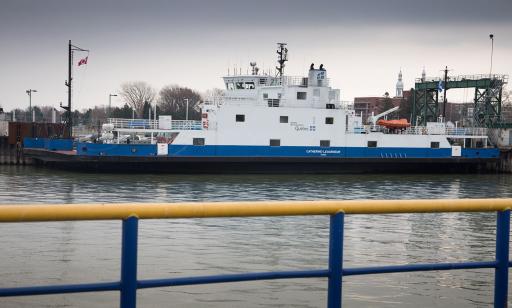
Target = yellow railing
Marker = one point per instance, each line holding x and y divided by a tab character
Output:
60	212
130	213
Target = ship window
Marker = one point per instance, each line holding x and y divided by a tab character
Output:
273	102
329	120
325	143
283	119
275	142
250	85
301	95
239	85
240	117
265	95
198	141
230	86
372	144
434	145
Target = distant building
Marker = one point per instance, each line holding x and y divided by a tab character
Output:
372	104
399	86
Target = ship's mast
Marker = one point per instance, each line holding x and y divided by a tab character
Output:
282	57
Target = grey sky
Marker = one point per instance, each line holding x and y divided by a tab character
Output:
363	43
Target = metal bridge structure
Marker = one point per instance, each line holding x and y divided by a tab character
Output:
487	98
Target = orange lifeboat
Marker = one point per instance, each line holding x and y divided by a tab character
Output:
394	124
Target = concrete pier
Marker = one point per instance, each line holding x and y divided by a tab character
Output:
12	154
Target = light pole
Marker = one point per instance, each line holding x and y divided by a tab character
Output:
186	111
29	92
491	36
110	103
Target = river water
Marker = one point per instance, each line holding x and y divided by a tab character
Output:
80	252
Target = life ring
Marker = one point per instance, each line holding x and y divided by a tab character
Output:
205	123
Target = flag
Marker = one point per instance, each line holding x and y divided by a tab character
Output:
83	61
440	86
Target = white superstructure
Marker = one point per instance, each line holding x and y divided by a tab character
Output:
259	110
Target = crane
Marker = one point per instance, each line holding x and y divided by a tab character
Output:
373	118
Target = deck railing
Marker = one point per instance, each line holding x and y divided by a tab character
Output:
145	124
131	213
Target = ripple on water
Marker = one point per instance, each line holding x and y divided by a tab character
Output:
71	252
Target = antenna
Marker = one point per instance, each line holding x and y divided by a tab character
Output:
282	52
254	68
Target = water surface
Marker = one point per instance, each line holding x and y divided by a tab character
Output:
79	252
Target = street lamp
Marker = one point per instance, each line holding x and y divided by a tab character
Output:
186	111
491	36
110	102
29	92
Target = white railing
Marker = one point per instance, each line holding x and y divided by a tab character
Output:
466	131
423	130
186	125
134	123
146	124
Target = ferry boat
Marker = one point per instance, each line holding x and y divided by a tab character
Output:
272	124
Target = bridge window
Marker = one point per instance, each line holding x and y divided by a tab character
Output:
275	142
329	120
250	85
263	80
434	145
283	119
230	86
325	143
301	95
198	141
273	102
372	144
240	117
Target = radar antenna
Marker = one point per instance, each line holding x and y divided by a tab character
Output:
255	69
282	52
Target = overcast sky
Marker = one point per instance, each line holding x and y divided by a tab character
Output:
363	44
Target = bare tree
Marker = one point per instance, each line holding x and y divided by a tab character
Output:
173	101
135	93
213	94
507	97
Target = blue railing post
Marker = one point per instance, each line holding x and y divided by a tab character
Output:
129	263
335	260
502	259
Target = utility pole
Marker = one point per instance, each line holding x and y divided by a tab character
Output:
445	100
29	92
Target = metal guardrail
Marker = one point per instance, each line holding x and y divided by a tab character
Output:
423	130
154	124
465	78
131	213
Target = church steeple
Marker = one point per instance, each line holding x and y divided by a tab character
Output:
399	85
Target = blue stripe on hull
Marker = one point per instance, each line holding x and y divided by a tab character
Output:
90	149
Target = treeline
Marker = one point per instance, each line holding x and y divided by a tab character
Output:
138	98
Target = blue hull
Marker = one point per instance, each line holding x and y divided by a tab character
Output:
148	150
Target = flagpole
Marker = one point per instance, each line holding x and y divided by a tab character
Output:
68	83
